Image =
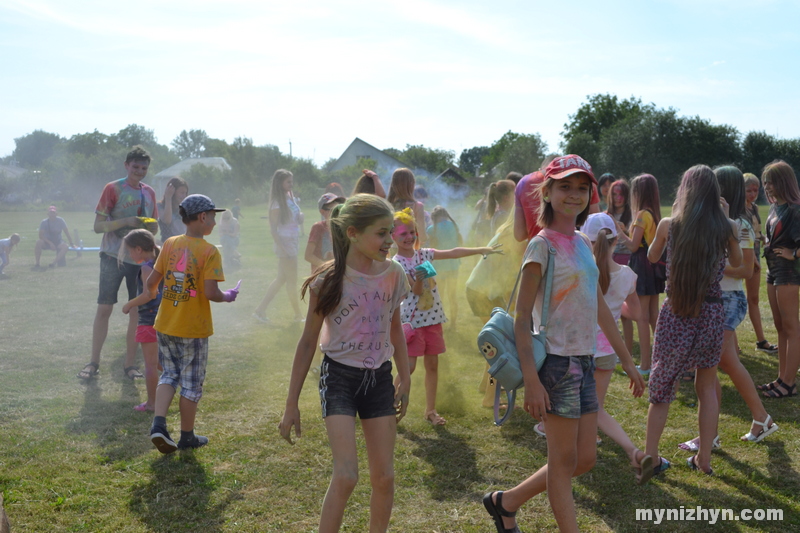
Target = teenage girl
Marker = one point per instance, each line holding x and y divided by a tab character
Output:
619	207
140	245
444	234
753	283
562	393
783	279
501	201
731	184
285	220
401	195
604	188
355	302
689	333
422	307
6	245
169	219
647	206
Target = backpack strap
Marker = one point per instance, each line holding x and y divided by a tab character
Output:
548	283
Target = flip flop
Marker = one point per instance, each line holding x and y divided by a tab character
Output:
132	372
645	470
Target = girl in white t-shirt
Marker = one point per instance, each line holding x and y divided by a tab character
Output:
285	223
422	307
355	304
562	393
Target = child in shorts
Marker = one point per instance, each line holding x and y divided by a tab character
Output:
191	269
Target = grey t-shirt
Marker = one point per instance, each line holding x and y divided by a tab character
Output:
53	229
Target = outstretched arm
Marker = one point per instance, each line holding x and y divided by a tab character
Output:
457	253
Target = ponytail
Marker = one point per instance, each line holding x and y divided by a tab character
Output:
601	250
491	206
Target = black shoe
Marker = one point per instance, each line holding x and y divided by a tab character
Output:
198	441
162	441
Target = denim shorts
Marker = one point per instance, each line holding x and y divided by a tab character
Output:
734	304
569	381
781	271
347	390
111	275
184	362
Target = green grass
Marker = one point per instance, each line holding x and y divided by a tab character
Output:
76	457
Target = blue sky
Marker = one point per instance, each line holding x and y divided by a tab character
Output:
449	75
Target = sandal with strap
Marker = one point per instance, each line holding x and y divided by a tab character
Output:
497	512
132	372
771	385
766	346
644	468
766	430
693	465
89	374
782	390
435	418
694	444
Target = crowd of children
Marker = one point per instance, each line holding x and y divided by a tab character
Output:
703	256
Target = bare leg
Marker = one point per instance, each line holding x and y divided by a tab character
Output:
289	266
272	290
164	395
100	329
431	384
571	451
150	354
731	365
37	251
643	325
753	285
62	252
787	296
130	339
707	414
777	319
656	421
607	423
379	434
342	439
188	413
627	332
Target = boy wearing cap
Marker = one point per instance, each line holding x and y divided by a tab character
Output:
319	248
191	269
50	231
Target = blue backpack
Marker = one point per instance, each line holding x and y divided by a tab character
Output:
497	344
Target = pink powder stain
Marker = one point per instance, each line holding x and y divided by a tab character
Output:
180	266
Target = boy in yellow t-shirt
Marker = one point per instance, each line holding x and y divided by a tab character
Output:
191	269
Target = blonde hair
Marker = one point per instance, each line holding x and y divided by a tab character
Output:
277	194
406	217
359	212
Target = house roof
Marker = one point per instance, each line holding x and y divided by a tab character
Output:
361	149
179	168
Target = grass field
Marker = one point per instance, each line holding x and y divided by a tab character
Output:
76	457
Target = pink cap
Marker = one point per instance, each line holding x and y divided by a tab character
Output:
567	165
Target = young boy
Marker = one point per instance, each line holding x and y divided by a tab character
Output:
319	248
183	324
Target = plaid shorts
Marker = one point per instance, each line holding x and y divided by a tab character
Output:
184	363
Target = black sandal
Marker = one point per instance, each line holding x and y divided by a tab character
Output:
136	374
693	465
766	346
89	374
771	385
497	511
782	390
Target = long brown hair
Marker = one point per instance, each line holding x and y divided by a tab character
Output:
177	182
497	190
783	180
401	189
625	190
277	194
440	214
644	192
700	232
359	211
601	249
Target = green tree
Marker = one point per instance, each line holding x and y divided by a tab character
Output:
34	148
497	149
524	154
92	143
470	159
134	134
190	143
599	113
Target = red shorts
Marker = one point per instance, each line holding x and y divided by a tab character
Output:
146	334
428	340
